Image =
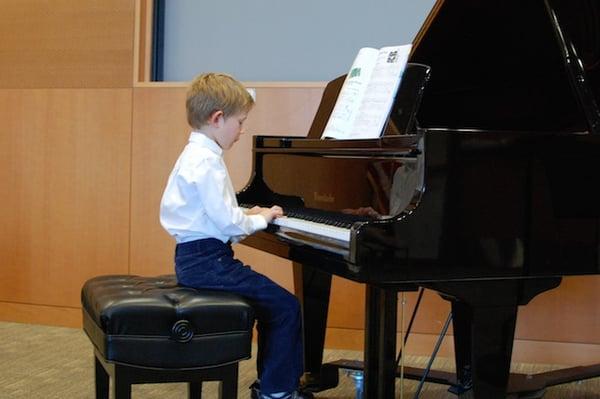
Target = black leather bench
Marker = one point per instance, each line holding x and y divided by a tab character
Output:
150	330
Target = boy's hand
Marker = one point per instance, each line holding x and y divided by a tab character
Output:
271	213
255	210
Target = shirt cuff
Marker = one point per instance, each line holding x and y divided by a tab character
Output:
236	239
258	222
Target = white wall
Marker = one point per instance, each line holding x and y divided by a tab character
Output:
281	40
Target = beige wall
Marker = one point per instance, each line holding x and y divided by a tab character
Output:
86	152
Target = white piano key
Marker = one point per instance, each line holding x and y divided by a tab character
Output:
319	229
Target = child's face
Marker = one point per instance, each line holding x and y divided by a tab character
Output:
231	129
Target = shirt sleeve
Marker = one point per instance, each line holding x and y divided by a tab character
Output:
218	199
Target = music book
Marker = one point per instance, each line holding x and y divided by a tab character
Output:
367	95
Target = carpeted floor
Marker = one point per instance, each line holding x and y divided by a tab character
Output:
54	362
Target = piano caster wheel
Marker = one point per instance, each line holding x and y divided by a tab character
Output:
358	379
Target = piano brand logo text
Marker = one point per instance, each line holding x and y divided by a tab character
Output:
324	197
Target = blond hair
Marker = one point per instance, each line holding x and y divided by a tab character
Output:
211	92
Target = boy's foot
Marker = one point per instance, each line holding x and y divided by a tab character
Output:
288	395
255	390
255	394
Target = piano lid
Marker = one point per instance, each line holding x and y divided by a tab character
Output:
499	65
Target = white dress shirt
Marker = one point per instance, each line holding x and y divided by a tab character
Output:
199	200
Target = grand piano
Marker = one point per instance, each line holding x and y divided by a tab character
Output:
483	187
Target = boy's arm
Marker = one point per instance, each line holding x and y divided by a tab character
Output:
218	199
255	210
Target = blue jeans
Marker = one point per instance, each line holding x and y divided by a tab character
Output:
209	264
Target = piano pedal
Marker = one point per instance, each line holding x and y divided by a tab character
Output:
328	378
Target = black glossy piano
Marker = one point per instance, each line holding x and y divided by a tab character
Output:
483	187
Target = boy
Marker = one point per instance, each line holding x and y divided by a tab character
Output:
199	209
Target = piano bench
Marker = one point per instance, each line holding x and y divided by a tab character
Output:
150	330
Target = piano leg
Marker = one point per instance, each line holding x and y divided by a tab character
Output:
484	318
461	324
483	345
380	343
312	287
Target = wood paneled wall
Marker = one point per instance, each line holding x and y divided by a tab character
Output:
65	111
86	153
66	43
65	191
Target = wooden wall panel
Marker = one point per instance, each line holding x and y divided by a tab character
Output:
66	43
569	313
158	135
64	316
65	187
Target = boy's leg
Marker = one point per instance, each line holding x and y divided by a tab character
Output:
279	325
210	265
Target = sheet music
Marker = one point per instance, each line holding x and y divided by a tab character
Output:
368	93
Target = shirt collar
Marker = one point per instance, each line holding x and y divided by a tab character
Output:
204	140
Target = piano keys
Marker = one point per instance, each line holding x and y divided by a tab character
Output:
323	230
320	225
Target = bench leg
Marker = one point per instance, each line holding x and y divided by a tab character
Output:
229	384
195	390
121	387
123	376
102	380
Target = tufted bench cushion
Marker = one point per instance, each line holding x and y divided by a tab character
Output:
153	322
